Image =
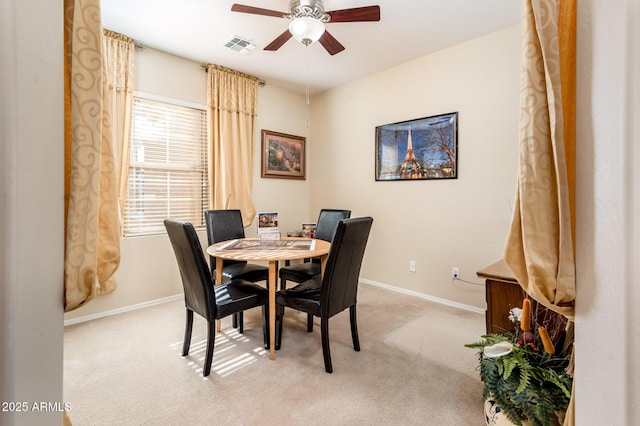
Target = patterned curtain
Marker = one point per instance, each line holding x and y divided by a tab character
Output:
92	252
231	98
540	247
118	55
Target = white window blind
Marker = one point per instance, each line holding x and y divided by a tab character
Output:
167	167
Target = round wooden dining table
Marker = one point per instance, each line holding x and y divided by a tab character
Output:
251	250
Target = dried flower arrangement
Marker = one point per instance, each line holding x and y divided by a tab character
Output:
525	370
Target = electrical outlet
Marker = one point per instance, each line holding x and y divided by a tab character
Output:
412	266
455	272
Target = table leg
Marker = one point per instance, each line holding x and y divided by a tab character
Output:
219	266
273	283
323	263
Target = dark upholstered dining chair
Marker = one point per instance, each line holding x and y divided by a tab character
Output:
202	296
224	225
301	272
336	290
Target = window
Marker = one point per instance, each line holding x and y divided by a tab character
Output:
167	166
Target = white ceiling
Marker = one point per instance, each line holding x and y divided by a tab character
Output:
408	29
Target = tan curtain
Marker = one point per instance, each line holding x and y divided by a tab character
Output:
118	57
232	110
92	252
540	246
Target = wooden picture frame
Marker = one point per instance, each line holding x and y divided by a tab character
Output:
283	156
419	149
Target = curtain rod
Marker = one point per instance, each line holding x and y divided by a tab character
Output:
205	68
117	36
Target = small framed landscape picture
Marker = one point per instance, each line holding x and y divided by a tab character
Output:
283	156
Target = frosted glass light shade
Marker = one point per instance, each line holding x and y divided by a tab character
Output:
306	30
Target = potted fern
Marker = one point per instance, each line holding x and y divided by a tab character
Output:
525	371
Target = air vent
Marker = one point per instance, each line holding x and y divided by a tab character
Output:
240	44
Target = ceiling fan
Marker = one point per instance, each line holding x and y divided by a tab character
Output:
307	22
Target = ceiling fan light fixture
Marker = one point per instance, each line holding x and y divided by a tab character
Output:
306	30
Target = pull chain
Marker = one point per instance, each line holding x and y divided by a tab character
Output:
308	78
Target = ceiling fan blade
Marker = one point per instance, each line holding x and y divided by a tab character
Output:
279	41
256	10
329	42
356	14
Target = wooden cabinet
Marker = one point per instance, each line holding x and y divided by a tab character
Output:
502	293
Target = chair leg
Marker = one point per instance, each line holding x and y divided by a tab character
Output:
283	283
265	326
211	340
234	321
279	320
354	328
240	316
187	333
326	353
309	323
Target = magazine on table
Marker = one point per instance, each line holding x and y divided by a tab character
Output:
259	244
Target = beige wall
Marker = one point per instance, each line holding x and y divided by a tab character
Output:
608	214
285	112
168	75
31	208
439	224
148	271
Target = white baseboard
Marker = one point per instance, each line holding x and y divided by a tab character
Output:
362	280
424	296
123	309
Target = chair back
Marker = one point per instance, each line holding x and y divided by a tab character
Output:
340	280
328	221
199	295
223	225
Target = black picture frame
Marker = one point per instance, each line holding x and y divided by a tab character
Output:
419	149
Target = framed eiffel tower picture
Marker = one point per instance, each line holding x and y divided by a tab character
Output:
419	149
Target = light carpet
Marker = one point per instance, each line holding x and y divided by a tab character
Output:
412	369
